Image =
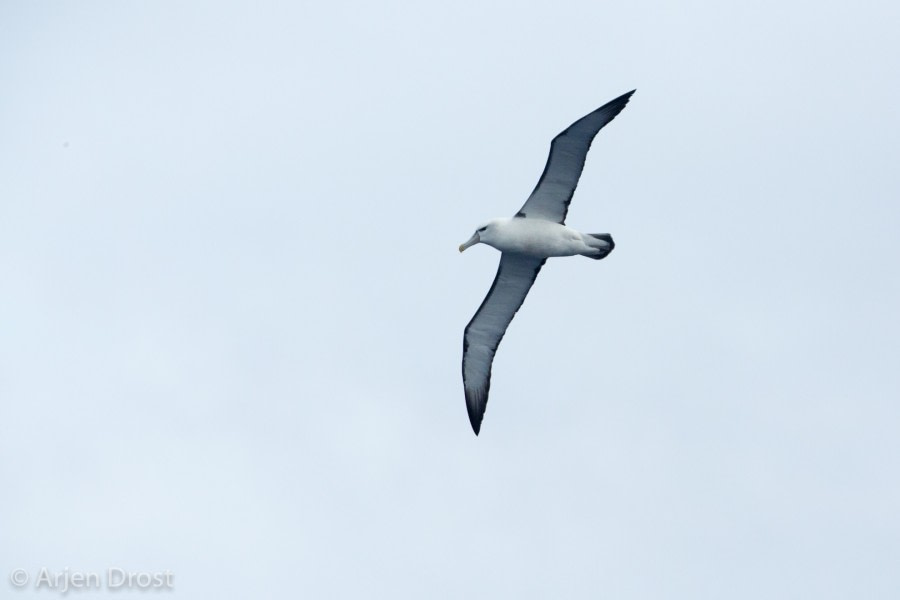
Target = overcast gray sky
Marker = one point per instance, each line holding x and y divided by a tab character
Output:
232	304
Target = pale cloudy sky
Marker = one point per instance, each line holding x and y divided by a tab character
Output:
232	304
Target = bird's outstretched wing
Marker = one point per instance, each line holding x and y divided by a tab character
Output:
550	198
483	333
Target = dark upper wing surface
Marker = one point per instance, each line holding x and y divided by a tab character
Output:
553	193
483	333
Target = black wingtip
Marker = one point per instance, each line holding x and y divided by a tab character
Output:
475	417
610	110
476	403
621	101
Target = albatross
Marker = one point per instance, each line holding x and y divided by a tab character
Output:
526	240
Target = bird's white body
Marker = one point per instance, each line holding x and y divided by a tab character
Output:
539	238
534	237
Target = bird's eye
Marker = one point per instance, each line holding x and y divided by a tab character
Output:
482	229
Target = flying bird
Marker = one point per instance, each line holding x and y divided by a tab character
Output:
526	241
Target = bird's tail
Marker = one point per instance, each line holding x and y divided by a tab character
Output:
601	244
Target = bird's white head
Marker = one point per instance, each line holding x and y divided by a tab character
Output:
484	234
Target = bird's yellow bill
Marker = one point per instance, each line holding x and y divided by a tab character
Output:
472	241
